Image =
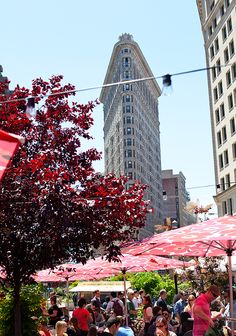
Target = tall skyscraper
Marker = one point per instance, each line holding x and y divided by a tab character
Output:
131	124
218	20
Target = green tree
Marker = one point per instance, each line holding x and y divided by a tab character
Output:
207	272
31	297
152	283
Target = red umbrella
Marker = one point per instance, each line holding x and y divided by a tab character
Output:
102	268
216	237
9	144
130	263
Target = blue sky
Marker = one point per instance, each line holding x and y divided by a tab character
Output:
75	38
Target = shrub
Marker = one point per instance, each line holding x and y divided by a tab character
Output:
30	297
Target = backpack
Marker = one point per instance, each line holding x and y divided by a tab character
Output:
117	308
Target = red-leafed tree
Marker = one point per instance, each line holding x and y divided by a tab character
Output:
44	219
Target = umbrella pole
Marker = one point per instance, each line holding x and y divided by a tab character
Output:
125	296
229	254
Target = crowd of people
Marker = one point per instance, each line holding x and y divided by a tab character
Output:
191	314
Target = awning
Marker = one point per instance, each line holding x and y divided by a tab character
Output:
102	286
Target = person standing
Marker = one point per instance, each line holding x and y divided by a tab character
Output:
83	317
161	302
147	313
54	312
201	311
130	305
115	305
180	305
97	298
189	307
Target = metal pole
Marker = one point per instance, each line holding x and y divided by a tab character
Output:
125	296
229	254
176	283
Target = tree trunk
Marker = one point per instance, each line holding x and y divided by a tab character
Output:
17	311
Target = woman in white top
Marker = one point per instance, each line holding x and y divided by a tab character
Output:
147	312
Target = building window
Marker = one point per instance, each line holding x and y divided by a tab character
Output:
128	98
212	54
227	180
229	25
230	206
130	164
226	55
127	87
212	5
216	43
127	109
129	142
215	94
128	120
128	131
222	111
224	208
125	50
234	150
129	152
228	78
213	73
227	3
222	184
126	61
231	48
130	175
220	88
230	101
219	140
233	69
218	66
214	23
224	134
232	126
210	30
226	157
224	33
126	74
217	116
222	10
221	163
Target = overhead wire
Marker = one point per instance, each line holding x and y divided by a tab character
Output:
113	84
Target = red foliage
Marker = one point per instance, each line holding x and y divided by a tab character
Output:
44	220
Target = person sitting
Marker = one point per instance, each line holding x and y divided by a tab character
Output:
186	323
162	328
156	314
112	326
42	328
60	328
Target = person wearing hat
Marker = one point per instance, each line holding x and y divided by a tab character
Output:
201	311
112	326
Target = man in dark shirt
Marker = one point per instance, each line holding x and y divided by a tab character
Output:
161	302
